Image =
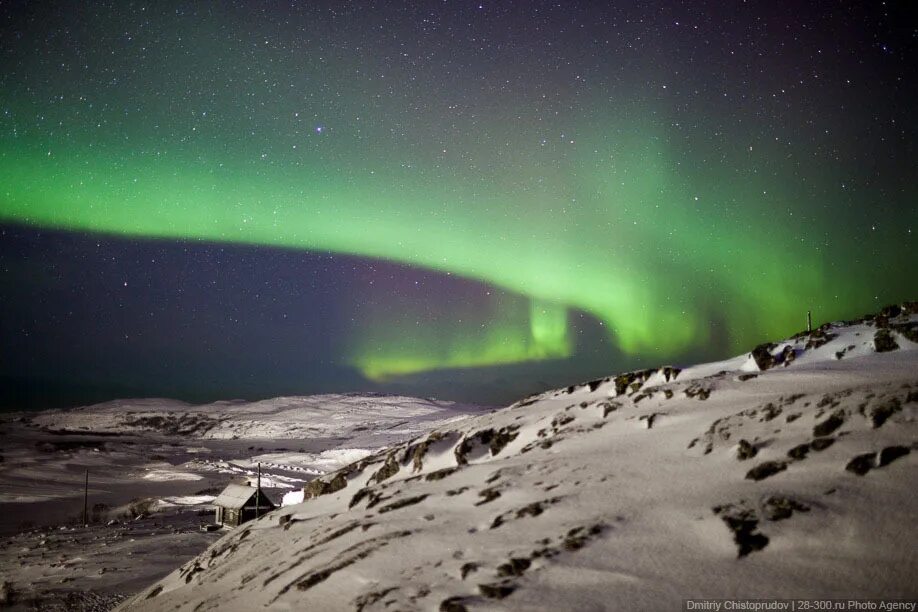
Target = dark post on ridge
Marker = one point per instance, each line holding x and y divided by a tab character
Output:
258	493
86	499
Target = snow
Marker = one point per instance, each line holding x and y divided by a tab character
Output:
293	497
587	498
373	420
164	460
183	500
167	475
316	463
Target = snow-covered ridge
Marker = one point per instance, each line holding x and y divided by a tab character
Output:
786	472
316	416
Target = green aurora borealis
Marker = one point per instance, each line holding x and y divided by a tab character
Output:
684	200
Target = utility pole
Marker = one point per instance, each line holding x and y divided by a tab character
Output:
86	499
258	493
809	321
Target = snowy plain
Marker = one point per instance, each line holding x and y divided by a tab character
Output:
154	467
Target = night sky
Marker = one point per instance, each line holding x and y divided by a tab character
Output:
469	200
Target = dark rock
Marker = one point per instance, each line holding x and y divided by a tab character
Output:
453	604
883	341
318	487
416	453
368	599
745	450
156	591
529	400
762	355
495	441
891	453
891	311
401	503
376	499
744	525
440	474
577	537
818	338
515	567
670	373
389	469
909	330
777	508
561	420
631	380
356	499
821	444
787	356
533	509
861	464
766	469
487	495
770	411
594	384
608	407
465	446
468	568
799	452
880	413
650	419
496	591
745	377
696	390
836	420
503	437
792	417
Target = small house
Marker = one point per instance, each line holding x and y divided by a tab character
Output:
237	504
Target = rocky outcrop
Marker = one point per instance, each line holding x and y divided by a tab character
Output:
883	341
762	355
766	469
320	486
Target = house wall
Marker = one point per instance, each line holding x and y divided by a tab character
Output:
248	513
233	517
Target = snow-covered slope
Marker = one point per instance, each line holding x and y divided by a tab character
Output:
746	478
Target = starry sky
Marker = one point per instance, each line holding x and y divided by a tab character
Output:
470	200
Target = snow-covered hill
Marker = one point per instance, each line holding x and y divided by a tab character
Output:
787	472
352	416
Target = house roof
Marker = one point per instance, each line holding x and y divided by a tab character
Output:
237	495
